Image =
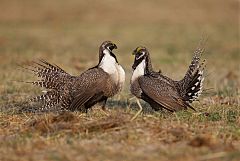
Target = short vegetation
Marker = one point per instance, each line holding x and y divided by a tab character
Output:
69	34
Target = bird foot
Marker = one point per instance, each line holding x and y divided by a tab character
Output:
105	112
139	112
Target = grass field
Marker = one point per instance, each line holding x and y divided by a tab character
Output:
68	33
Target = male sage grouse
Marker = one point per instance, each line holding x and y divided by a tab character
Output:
81	92
162	92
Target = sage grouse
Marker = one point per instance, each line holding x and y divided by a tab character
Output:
162	92
81	92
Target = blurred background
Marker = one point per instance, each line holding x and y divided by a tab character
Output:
68	33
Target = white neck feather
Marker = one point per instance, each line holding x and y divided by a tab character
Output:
139	71
108	63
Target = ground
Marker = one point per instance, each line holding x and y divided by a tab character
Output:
68	33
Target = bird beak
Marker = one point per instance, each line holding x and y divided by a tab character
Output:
134	52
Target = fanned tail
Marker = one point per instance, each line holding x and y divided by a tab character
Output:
53	79
52	76
195	86
191	86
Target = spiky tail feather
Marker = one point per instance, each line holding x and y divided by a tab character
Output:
191	86
52	78
195	86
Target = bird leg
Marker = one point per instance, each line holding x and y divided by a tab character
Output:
103	102
103	108
139	112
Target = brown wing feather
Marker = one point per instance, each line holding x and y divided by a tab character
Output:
96	83
79	100
162	93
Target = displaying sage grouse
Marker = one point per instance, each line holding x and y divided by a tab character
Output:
162	92
81	92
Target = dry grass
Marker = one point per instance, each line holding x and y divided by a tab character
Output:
69	33
75	136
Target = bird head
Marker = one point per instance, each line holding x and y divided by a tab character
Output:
141	53
107	47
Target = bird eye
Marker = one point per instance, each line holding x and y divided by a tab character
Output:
110	47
